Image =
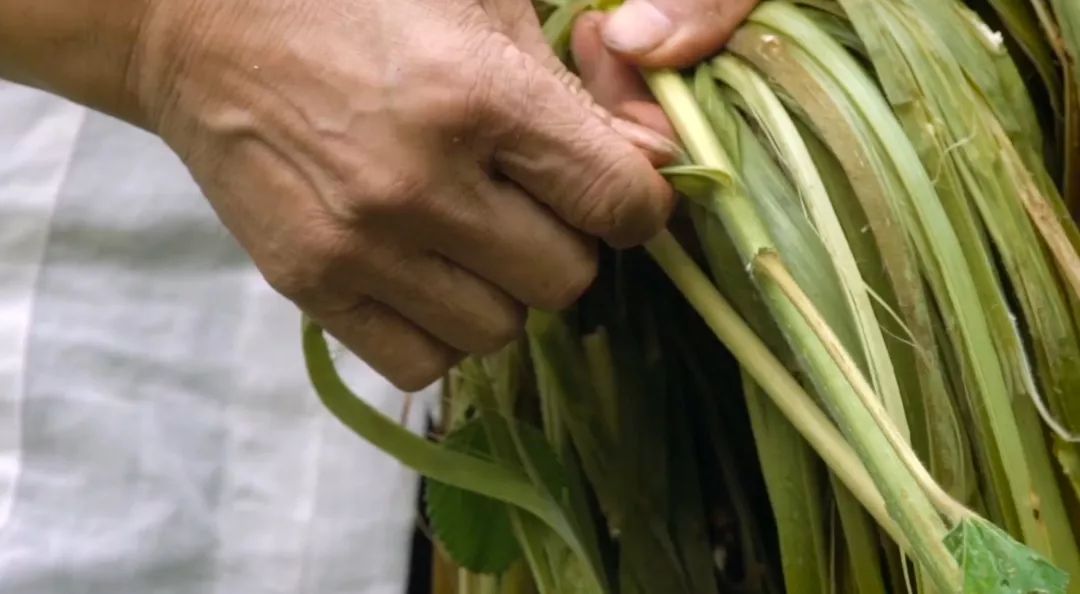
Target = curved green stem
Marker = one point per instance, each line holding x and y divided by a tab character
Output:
428	459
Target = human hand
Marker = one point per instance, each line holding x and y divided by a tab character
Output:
412	173
652	34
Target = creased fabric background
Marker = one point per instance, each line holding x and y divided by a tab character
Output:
157	434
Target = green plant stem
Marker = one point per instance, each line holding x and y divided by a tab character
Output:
767	109
769	265
773	378
906	502
426	458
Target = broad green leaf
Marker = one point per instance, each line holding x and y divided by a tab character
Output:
474	530
463	471
496	394
994	563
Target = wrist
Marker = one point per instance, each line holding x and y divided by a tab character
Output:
165	44
80	49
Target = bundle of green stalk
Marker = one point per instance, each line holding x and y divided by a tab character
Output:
854	366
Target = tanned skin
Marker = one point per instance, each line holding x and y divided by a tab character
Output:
413	174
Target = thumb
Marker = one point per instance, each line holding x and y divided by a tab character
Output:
616	85
673	33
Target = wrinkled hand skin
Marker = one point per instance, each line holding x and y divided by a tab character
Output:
412	174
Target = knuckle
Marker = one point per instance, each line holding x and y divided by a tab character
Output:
569	288
367	316
389	193
306	275
602	198
405	356
290	282
497	87
461	94
620	206
501	328
462	109
572	83
422	372
462	102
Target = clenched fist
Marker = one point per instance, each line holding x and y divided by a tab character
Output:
412	173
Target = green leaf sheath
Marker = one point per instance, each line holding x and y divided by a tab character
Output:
906	503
